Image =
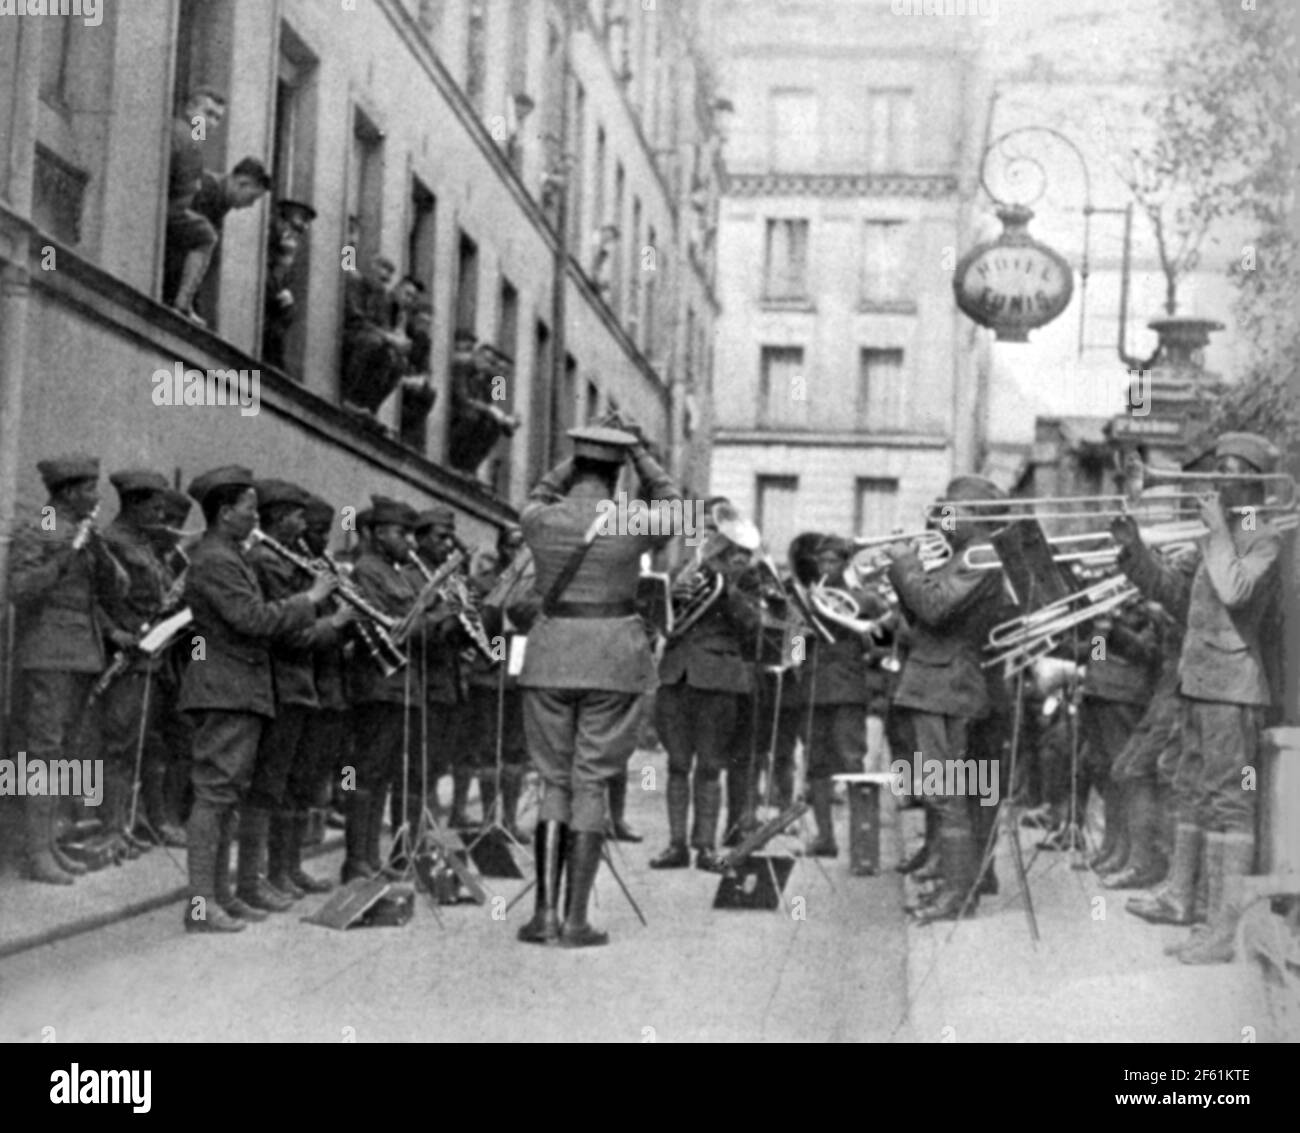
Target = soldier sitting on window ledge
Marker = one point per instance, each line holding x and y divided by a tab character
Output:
477	421
374	353
190	235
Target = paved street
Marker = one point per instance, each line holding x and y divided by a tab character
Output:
693	975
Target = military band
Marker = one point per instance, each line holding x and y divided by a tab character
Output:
411	658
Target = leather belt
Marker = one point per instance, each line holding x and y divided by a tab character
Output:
592	610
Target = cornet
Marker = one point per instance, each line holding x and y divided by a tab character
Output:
932	547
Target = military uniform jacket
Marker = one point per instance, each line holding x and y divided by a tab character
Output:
1126	673
838	672
716	652
58	624
949	611
609	654
293	663
238	625
393	591
1230	593
140	603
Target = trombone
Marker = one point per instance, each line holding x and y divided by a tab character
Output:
1142	476
1020	641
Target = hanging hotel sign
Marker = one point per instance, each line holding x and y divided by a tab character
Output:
1013	284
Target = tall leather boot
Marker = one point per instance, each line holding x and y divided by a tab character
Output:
1113	849
460	779
677	856
203	912
1230	858
278	856
355	836
225	890
65	863
621	831
584	861
928	854
959	866
824	846
550	847
112	813
41	862
1145	866
296	835
708	803
251	885
1172	902
740	819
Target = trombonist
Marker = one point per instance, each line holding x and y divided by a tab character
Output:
943	684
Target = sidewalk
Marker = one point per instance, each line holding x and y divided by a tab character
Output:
32	914
1098	974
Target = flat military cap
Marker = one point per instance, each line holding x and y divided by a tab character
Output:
1259	452
440	517
66	469
176	507
139	480
227	476
597	442
385	510
270	492
319	510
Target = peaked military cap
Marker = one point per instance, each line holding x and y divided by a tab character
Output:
598	442
66	469
1259	452
383	510
139	480
441	517
227	476
271	492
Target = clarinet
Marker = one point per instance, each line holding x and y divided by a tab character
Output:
456	594
375	626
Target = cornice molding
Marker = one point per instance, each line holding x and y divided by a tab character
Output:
926	186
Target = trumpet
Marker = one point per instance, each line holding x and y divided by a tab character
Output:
375	627
839	607
931	546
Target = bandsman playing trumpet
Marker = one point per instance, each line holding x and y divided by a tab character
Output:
703	676
949	612
1230	590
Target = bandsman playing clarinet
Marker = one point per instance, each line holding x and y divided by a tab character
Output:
58	576
228	688
123	704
